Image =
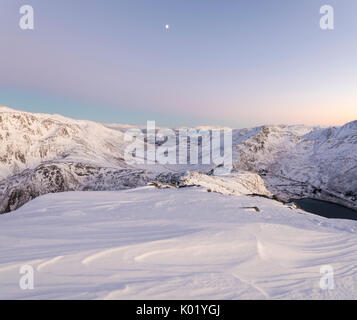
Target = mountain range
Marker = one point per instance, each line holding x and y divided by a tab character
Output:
42	153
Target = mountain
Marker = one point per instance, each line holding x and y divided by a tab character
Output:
29	139
43	153
321	163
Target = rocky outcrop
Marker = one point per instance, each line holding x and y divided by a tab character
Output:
17	190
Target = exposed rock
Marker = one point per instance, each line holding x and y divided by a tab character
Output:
60	177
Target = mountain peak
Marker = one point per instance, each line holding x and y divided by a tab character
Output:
348	129
352	124
7	109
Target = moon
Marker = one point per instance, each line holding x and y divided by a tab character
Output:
167	27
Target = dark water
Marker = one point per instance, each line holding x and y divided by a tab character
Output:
327	209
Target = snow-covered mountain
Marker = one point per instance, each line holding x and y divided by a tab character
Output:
299	162
29	139
41	153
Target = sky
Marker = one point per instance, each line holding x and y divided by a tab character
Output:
239	63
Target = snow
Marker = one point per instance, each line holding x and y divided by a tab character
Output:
187	243
180	232
238	183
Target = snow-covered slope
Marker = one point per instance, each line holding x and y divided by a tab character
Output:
237	183
147	243
296	162
42	153
27	139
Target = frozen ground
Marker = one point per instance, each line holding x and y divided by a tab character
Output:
173	244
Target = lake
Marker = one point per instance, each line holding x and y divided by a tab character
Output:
326	209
